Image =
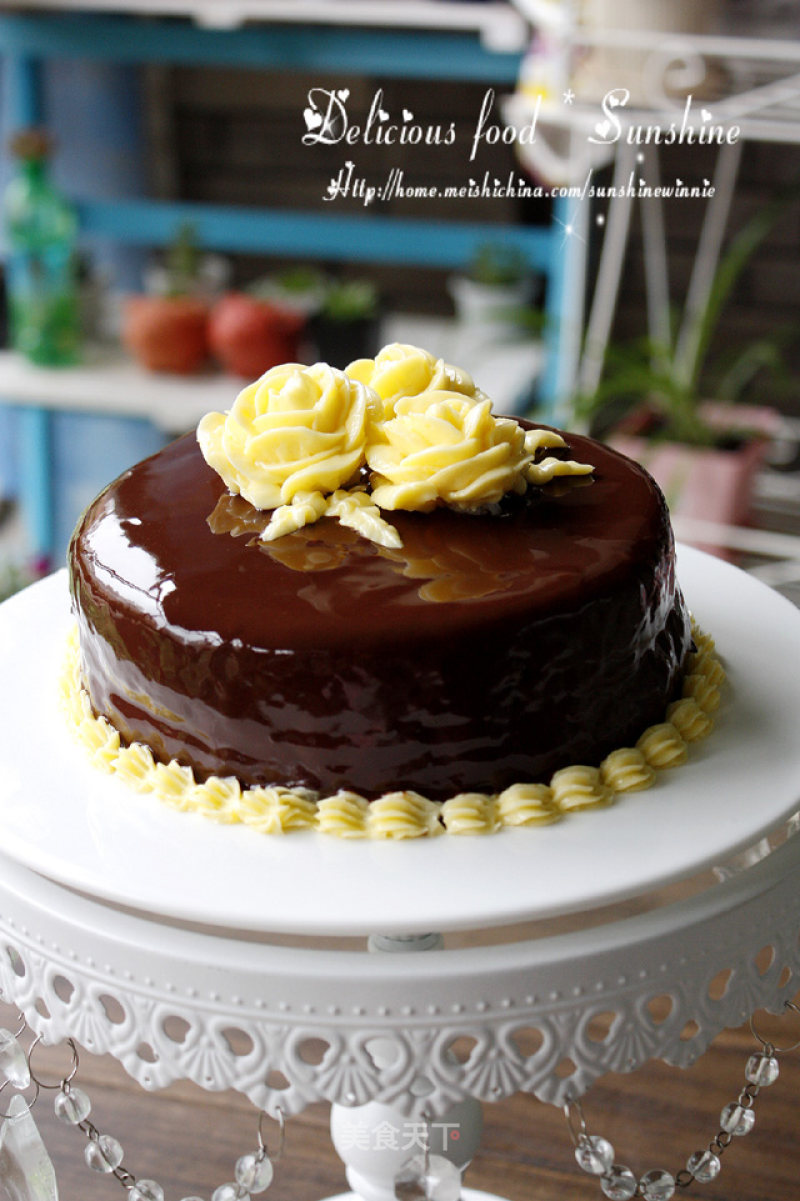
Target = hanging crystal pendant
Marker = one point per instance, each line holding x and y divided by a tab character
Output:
438	1179
13	1061
594	1154
619	1183
409	1184
26	1171
442	1181
104	1154
254	1172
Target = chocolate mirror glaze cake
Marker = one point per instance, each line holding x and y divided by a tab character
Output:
489	648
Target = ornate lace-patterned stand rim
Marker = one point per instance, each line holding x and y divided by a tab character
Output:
117	983
68	821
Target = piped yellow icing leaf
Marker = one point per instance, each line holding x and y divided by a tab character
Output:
357	510
305	509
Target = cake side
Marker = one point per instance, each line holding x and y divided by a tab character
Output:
406	815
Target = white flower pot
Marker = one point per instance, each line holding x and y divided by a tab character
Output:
481	305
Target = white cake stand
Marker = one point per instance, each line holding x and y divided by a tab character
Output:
125	922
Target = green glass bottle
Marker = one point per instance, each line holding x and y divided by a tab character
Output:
41	230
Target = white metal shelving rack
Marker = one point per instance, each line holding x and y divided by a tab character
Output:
757	88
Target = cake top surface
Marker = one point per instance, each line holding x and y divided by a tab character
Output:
168	537
328	507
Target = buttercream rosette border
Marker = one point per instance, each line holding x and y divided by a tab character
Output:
405	814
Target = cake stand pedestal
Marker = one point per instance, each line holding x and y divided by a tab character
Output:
190	951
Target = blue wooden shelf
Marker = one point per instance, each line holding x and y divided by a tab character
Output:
394	53
357	238
380	53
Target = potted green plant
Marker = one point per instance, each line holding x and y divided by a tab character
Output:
347	324
300	288
496	290
652	401
167	329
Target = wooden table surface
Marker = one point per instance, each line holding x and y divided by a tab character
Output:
188	1140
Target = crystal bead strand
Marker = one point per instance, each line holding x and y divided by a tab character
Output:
253	1172
595	1155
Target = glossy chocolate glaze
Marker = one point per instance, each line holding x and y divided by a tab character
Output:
491	650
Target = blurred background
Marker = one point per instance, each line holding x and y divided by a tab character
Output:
194	191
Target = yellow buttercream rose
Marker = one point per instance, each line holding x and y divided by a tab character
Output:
399	370
295	441
445	448
295	430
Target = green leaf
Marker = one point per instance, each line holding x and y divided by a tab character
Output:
734	260
644	373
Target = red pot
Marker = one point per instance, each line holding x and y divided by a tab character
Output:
249	336
167	333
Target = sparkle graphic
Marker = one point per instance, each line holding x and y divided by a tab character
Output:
571	226
569	96
600	219
569	232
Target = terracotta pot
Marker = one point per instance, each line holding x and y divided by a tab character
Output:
706	483
249	336
167	333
